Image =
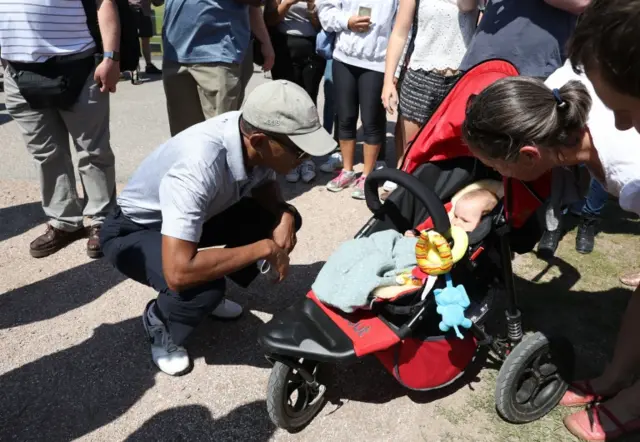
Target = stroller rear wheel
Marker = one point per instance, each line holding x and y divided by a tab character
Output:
531	380
293	402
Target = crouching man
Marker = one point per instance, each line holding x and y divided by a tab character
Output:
212	184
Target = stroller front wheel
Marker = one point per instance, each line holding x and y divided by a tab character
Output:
292	402
532	379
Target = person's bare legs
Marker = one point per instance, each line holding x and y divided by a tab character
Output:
348	150
146	49
399	141
371	152
623	407
631	279
625	363
409	130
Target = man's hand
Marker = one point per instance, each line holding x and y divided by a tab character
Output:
107	75
268	54
284	235
279	260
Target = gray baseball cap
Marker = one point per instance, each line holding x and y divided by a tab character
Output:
283	107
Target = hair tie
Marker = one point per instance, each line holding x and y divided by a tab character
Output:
560	102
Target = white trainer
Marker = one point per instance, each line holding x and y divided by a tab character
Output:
333	163
227	309
172	359
308	171
293	176
389	186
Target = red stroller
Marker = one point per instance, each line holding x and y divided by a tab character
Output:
403	332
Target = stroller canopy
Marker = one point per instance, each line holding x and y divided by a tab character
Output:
441	139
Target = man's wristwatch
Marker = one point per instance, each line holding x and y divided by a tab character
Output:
113	55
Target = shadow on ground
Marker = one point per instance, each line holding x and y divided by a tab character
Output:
57	294
590	320
614	221
15	220
195	423
238	344
75	391
4	115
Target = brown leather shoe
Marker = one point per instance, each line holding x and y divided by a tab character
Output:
53	240
632	279
93	244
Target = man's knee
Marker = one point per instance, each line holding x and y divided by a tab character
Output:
190	306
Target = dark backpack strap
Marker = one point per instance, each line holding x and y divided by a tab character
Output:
91	12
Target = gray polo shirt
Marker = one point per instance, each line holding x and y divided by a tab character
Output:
192	177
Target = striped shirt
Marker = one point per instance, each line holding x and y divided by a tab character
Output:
36	30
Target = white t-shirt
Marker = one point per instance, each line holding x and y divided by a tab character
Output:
619	151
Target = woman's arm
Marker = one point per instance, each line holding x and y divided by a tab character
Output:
332	17
259	29
276	10
573	6
467	5
312	10
398	38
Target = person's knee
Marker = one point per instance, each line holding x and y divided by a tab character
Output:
192	305
374	134
347	126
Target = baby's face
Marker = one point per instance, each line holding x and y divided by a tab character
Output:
467	214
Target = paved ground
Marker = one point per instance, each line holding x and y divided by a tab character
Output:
75	364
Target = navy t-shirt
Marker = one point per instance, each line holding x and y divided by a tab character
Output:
528	33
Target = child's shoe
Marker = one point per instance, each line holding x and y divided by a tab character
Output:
307	171
333	163
293	176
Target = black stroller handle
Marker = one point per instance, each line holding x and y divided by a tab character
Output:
426	196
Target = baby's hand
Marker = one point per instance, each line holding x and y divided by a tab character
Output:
410	234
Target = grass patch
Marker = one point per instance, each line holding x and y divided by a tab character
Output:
574	296
156	40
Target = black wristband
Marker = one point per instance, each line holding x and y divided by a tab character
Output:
289	208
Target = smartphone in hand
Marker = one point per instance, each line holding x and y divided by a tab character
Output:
364	11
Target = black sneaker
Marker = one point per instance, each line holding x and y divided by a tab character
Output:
549	243
586	235
151	69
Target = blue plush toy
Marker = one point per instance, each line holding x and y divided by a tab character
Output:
452	302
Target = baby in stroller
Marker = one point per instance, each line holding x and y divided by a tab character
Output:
471	204
440	185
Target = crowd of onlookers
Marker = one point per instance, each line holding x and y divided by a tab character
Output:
380	58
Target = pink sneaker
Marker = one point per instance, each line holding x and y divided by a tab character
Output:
358	188
342	181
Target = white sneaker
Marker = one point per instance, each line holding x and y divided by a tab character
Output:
293	176
227	310
172	359
308	171
333	163
389	186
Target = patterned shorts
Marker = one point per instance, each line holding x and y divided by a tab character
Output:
421	92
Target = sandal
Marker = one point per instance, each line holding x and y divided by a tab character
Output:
586	424
579	394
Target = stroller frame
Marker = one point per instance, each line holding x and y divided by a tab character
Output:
299	339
